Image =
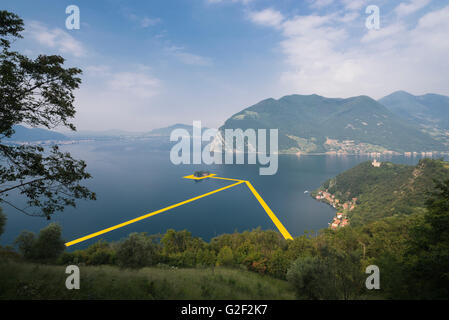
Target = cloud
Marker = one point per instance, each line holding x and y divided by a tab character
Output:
143	22
410	7
354	4
318	4
388	31
138	84
229	1
117	96
326	56
55	38
146	22
349	17
267	17
189	58
97	70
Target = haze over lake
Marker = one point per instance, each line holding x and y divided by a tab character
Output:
132	178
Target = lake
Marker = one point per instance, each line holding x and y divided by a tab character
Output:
132	178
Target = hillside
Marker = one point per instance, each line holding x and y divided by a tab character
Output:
315	124
24	134
107	282
428	111
391	189
166	131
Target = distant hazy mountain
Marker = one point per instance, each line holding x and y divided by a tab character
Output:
110	134
429	110
313	123
166	131
24	134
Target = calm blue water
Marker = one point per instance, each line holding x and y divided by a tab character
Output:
132	179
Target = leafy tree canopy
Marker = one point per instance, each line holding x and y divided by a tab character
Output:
37	92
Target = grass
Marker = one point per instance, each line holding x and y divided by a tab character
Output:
20	280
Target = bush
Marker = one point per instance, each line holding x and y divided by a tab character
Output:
48	246
99	253
138	250
225	257
306	276
26	241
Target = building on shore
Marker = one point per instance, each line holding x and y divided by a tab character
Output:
376	164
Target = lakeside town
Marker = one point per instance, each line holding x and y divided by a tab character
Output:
341	218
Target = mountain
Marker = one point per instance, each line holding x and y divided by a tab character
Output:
166	131
426	110
24	134
312	123
387	190
105	134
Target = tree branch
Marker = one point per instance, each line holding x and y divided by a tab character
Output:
21	185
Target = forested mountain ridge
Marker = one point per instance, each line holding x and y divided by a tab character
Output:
388	190
430	111
316	124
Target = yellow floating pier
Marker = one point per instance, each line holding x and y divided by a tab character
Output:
267	209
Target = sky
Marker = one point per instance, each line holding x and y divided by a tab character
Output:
150	64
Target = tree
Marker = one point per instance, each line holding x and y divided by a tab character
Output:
25	241
308	277
37	92
176	241
428	255
225	257
136	251
48	245
278	264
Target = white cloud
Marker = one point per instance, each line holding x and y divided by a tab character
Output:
143	22
267	17
146	22
231	1
55	38
406	8
349	17
138	84
97	70
323	56
318	4
388	31
189	58
116	97
354	4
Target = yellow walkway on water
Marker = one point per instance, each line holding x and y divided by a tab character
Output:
267	209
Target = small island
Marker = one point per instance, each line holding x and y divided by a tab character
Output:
200	174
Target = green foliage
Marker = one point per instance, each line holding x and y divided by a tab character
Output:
206	258
30	281
389	190
25	242
306	122
175	242
278	264
306	276
333	270
136	251
37	92
225	257
410	250
47	246
428	254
